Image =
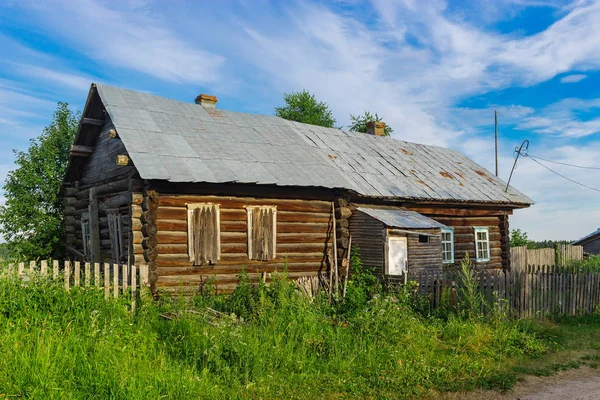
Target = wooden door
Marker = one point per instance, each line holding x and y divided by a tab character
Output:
397	255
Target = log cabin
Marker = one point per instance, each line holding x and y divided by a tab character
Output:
199	194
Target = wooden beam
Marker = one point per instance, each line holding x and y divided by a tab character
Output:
81	151
92	121
94	226
113	134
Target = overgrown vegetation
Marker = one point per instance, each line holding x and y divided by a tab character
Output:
359	123
31	220
260	342
303	107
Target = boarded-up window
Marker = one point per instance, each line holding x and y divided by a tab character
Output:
115	231
262	232
204	231
85	234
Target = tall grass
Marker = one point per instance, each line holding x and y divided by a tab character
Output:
266	342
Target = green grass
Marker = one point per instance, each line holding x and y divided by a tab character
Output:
57	345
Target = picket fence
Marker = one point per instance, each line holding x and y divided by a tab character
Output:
115	279
534	293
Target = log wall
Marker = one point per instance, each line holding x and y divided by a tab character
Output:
112	187
304	235
463	220
425	256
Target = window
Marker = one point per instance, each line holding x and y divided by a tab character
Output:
85	234
447	245
115	233
204	231
423	239
482	244
262	232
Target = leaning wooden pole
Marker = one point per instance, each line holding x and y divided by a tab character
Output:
347	266
335	255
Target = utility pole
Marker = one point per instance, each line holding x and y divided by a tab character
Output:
496	137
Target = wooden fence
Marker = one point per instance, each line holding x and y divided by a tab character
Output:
115	279
535	293
521	257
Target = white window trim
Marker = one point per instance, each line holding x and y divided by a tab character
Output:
249	210
487	235
190	214
85	221
451	232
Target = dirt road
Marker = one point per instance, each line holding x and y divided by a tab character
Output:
576	384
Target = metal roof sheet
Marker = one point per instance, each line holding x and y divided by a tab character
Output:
157	132
401	218
586	237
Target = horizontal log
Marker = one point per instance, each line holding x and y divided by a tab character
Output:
236	269
240	202
343	212
342	223
342	233
471	222
300	227
181	260
457	212
92	121
341	202
116	200
77	150
343	242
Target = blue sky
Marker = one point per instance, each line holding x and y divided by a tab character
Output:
435	71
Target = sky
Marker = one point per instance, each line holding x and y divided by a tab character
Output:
434	70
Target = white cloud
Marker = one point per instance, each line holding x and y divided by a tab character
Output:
127	35
562	119
73	80
573	78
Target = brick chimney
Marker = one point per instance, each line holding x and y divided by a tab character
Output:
207	101
376	128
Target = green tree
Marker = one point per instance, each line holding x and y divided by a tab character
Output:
31	220
303	107
359	123
519	238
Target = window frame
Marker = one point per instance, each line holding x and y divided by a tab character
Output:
190	229
481	229
451	241
250	229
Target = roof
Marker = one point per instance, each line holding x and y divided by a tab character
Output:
185	142
400	218
588	237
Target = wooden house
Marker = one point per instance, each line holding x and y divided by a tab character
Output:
590	243
200	193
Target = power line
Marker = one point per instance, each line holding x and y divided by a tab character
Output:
561	163
564	177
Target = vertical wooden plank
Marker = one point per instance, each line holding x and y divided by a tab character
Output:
115	280
88	274
106	281
31	267
94	225
67	275
144	275
97	274
54	269
125	277
44	268
77	273
133	287
21	269
11	269
481	289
